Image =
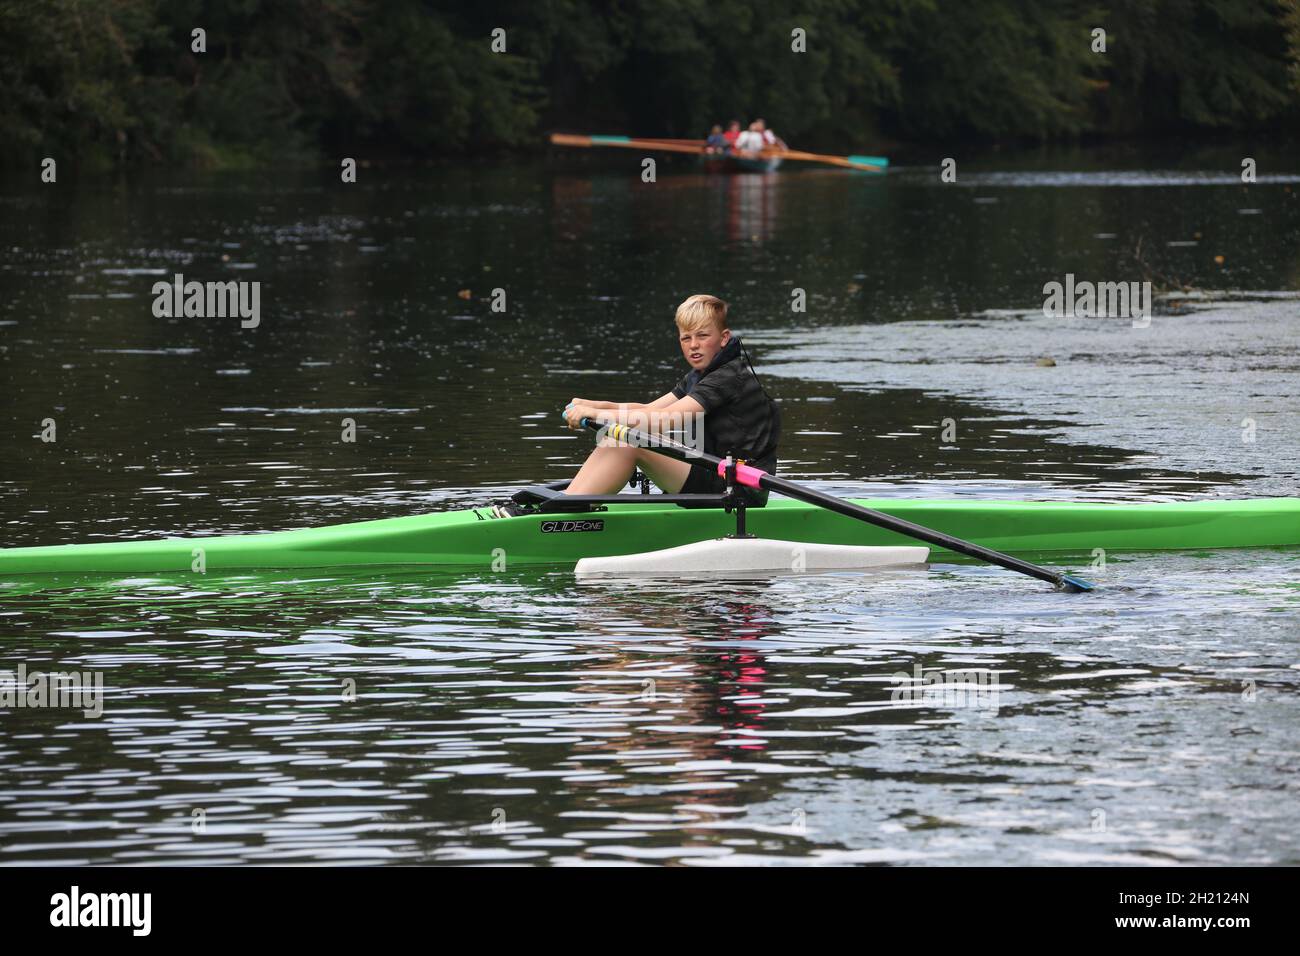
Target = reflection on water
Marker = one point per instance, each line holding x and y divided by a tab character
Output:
751	210
530	718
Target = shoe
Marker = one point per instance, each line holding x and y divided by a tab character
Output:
508	509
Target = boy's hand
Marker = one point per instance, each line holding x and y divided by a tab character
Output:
575	412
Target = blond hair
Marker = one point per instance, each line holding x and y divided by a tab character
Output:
701	310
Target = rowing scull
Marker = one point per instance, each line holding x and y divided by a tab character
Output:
469	538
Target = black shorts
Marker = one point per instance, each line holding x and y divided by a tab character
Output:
704	480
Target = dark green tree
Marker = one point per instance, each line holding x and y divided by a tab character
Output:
117	81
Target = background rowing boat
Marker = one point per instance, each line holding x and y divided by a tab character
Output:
734	163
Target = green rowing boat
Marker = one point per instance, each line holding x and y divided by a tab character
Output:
636	523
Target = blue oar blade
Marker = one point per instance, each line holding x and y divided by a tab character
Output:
1075	585
868	160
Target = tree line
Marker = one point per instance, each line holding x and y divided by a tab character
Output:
247	82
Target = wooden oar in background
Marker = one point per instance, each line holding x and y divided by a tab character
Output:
625	142
870	164
701	143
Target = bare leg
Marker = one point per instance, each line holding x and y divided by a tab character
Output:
608	468
668	474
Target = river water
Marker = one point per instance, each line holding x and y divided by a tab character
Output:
407	716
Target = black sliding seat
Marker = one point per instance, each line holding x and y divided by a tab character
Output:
550	498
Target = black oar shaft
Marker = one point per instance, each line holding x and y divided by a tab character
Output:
969	548
847	508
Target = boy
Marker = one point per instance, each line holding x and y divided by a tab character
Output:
739	417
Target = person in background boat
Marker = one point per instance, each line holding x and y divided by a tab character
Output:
717	142
770	139
732	133
750	143
739	417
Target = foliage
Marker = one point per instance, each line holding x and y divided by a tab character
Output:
1291	26
1198	63
116	81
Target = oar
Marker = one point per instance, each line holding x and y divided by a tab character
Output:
757	478
870	164
701	143
625	142
873	163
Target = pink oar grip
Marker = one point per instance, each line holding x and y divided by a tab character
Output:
745	474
